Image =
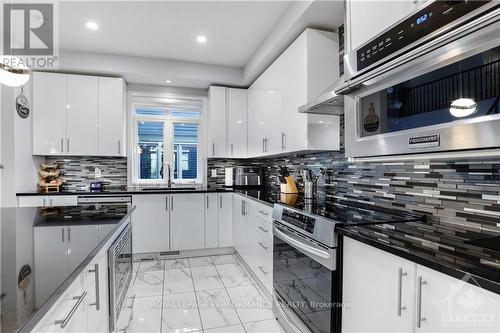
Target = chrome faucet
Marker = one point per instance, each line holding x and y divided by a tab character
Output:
168	174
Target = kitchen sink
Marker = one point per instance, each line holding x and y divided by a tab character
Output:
168	189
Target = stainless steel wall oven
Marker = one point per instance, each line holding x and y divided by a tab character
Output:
430	83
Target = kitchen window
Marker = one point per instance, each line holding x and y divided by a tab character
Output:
166	136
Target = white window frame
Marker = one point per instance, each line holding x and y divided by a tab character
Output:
168	135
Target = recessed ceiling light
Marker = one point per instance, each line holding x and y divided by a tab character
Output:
91	25
168	81
201	39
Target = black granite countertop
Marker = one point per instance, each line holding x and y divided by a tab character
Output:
452	249
31	237
135	190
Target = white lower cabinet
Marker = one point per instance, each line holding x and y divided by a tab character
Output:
69	313
150	223
253	237
225	219
452	305
386	293
187	226
371	280
181	221
84	306
211	220
47	200
54	260
97	294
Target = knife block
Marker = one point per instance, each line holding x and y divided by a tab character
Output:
289	187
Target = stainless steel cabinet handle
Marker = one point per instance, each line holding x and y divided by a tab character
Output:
213	148
262	270
208	202
166	203
97	292
220	200
263	246
419	301
119	147
263	145
44	202
172	202
400	290
67	145
62	233
66	320
283	137
51	200
263	229
69	234
242	210
245	211
62	145
232	149
263	213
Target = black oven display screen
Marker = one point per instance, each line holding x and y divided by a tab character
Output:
427	100
299	220
306	287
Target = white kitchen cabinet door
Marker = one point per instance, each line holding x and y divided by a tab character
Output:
97	294
150	223
187	225
237	122
112	121
366	19
217	122
72	305
81	240
371	280
225	219
51	261
239	223
49	113
47	201
453	305
82	114
211	220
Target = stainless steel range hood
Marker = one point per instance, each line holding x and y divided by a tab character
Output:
328	102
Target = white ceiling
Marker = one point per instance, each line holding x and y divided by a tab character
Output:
168	29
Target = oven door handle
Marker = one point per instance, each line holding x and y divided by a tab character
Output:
289	239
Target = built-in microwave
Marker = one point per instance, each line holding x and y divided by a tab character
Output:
430	83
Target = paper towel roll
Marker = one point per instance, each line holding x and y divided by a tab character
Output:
228	177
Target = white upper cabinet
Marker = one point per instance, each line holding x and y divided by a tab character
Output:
366	19
82	93
78	115
217	122
112	120
227	122
237	108
306	68
49	113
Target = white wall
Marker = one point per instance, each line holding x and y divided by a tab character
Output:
20	167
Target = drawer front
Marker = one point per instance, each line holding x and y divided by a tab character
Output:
73	298
32	201
264	212
263	229
63	200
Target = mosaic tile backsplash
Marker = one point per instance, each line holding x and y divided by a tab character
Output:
465	193
78	171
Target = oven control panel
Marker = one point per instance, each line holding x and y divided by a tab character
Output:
301	221
431	18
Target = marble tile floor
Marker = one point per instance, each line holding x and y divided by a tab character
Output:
211	294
